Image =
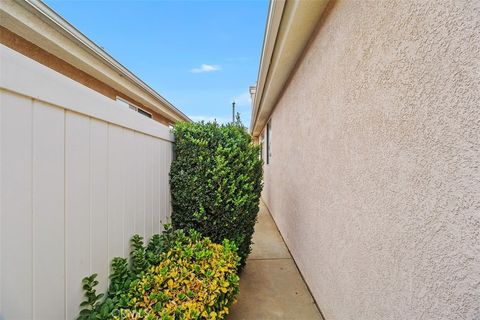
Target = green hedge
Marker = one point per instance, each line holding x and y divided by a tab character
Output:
176	276
217	175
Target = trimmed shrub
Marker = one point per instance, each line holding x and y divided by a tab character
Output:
217	176
176	276
194	280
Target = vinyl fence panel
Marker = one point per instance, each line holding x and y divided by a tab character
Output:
79	175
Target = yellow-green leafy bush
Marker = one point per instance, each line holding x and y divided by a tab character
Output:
194	280
176	276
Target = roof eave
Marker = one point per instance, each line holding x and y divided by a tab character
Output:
290	25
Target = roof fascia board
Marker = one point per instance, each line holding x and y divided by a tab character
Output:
276	8
297	22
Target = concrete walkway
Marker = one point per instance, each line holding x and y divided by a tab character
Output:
271	286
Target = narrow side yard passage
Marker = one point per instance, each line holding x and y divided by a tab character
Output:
271	286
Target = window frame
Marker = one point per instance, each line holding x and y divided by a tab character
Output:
261	141
135	108
269	141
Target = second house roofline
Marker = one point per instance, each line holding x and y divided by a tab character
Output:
36	22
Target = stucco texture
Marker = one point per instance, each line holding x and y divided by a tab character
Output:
374	180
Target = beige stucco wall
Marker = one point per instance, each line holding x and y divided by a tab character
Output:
374	180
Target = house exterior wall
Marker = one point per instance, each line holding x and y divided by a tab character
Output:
374	179
36	53
78	178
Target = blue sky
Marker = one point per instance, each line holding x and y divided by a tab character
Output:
200	55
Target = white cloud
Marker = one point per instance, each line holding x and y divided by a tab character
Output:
243	99
210	119
206	68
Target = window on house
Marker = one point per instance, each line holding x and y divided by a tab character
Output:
123	103
269	141
261	146
133	107
145	113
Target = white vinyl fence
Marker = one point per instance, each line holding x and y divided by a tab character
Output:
79	176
